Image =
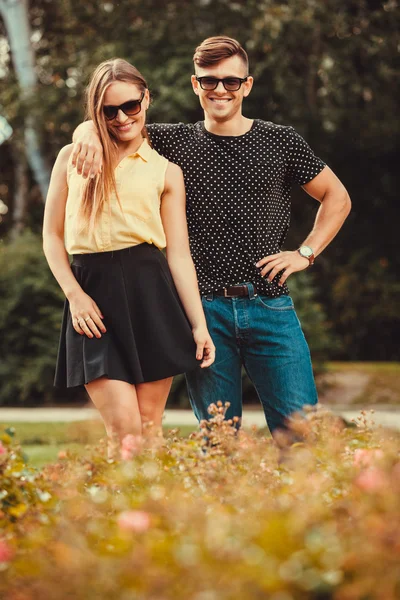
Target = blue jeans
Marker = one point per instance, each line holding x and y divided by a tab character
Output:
264	335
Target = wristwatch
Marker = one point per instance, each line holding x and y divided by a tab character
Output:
308	253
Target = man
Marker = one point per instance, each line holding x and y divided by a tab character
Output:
238	175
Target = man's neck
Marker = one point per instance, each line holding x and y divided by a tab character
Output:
239	125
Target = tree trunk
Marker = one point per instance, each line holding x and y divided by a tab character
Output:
21	191
16	18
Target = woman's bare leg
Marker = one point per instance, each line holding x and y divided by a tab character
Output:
152	398
117	403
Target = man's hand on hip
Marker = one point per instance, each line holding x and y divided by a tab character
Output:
87	153
289	262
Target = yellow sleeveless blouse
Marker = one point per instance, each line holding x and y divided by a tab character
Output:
140	179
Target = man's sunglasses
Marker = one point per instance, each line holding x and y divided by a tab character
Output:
130	108
231	84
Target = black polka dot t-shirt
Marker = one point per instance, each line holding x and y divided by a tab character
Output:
238	196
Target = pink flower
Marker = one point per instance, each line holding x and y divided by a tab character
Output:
366	458
3	450
131	445
136	521
6	552
396	471
372	480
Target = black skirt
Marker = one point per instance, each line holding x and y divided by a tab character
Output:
148	334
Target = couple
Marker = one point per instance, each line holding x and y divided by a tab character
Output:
133	319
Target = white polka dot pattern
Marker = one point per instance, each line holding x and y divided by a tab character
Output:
238	196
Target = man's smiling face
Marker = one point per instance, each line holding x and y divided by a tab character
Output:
220	104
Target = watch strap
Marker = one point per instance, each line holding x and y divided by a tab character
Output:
309	257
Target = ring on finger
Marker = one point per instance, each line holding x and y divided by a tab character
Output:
87	319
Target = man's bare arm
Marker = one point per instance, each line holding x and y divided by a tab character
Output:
334	209
87	153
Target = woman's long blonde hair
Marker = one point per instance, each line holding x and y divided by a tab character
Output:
97	191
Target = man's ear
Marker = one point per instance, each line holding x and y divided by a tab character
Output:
248	86
195	84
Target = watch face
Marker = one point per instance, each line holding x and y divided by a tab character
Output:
305	251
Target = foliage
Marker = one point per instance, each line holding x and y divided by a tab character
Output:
30	316
317	329
223	514
24	494
374	308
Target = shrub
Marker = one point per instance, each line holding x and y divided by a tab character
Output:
223	514
24	494
30	318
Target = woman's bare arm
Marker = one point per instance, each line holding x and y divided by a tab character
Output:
173	214
81	305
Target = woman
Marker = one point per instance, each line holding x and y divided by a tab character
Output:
125	333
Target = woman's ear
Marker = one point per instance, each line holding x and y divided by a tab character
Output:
147	99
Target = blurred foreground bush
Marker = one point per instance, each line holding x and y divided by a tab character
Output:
30	318
219	516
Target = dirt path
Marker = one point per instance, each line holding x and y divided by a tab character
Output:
343	387
361	385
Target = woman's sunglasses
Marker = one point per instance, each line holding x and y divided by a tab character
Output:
130	108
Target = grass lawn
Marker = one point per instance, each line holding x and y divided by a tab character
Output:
42	442
42	454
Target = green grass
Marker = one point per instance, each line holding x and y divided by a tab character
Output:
43	454
42	442
84	432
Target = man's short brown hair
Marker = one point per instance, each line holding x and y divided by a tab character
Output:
214	49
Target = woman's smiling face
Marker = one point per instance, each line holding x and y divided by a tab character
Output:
125	127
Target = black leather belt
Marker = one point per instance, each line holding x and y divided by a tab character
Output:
235	291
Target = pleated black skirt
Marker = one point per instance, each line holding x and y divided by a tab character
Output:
148	334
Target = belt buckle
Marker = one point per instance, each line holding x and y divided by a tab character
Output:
246	287
243	287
